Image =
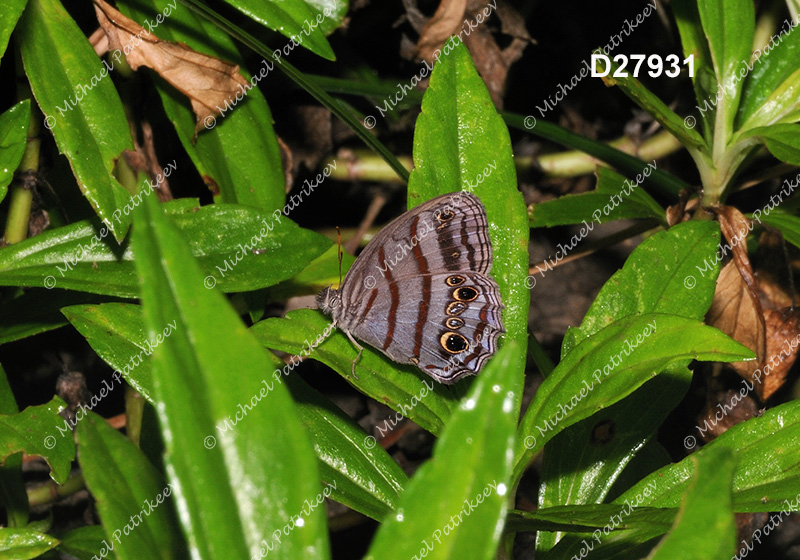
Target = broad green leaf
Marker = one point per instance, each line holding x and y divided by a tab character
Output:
599	530
462	143
467	479
704	527
612	542
85	542
13	138
610	365
651	103
35	311
134	501
671	272
614	198
237	153
729	28
22	544
787	224
298	20
320	273
8	404
366	478
392	384
241	475
338	11
768	464
10	10
782	141
694	43
40	430
117	333
769	93
583	462
586	517
81	106
12	486
239	249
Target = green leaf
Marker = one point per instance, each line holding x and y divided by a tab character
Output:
85	542
782	141
787	224
769	92
82	107
297	20
455	505
614	198
338	108
35	311
338	11
462	143
694	42
135	504
595	375
662	275
117	333
729	28
239	248
584	518
13	138
651	103
10	10
320	273
365	477
12	486
392	384
22	544
704	527
39	430
241	474
238	158
582	463
767	472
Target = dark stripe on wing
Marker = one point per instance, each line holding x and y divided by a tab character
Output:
422	268
394	292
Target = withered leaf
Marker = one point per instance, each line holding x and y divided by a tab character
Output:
783	340
446	21
736	309
737	313
208	82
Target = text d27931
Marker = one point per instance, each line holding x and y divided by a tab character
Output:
670	65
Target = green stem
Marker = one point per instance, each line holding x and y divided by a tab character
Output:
20	193
19	213
51	492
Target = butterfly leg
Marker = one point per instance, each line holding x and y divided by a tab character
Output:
360	350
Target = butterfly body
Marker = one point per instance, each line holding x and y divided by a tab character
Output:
420	291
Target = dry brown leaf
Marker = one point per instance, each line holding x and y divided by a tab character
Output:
445	22
736	309
677	212
208	82
783	339
725	408
736	312
773	271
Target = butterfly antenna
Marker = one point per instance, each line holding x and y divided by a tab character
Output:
339	249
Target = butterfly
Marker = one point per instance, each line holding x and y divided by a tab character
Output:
420	292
